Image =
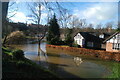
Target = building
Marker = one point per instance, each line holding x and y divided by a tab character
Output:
62	37
104	36
87	40
113	42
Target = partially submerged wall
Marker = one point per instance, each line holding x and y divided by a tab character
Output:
96	53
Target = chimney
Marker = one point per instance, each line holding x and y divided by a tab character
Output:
109	30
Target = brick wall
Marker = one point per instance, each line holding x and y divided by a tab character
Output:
96	53
109	47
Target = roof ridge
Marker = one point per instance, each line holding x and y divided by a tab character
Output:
111	36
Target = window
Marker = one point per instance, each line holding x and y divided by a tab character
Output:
90	44
118	36
116	46
79	36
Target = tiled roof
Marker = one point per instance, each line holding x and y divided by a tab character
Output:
90	37
111	36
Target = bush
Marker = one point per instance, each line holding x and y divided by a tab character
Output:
16	37
61	42
75	45
23	65
18	54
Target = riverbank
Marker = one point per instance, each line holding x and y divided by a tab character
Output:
22	68
115	56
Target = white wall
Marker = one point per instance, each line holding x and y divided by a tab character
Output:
115	39
101	36
79	39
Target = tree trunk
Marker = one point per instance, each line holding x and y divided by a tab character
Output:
39	41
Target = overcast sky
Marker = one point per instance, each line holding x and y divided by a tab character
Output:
93	12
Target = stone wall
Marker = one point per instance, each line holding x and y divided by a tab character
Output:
96	53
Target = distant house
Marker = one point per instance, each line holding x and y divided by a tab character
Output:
62	36
87	40
104	36
113	42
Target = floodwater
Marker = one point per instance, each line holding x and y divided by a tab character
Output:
69	64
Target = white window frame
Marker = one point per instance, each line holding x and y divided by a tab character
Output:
116	46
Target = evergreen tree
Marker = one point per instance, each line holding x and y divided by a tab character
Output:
68	38
53	31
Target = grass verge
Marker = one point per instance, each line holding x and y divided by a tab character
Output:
22	68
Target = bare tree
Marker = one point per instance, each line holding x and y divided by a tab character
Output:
36	9
109	26
7	8
90	28
64	15
99	28
11	10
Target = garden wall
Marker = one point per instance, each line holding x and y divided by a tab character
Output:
96	53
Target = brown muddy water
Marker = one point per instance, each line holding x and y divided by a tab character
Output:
68	64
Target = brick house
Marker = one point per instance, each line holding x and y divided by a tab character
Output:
104	36
113	42
87	40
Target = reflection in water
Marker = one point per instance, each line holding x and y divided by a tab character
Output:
78	60
39	53
42	57
64	63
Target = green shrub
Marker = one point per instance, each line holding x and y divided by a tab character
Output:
18	54
16	37
6	49
26	66
22	65
75	45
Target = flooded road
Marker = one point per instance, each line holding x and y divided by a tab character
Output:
68	64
